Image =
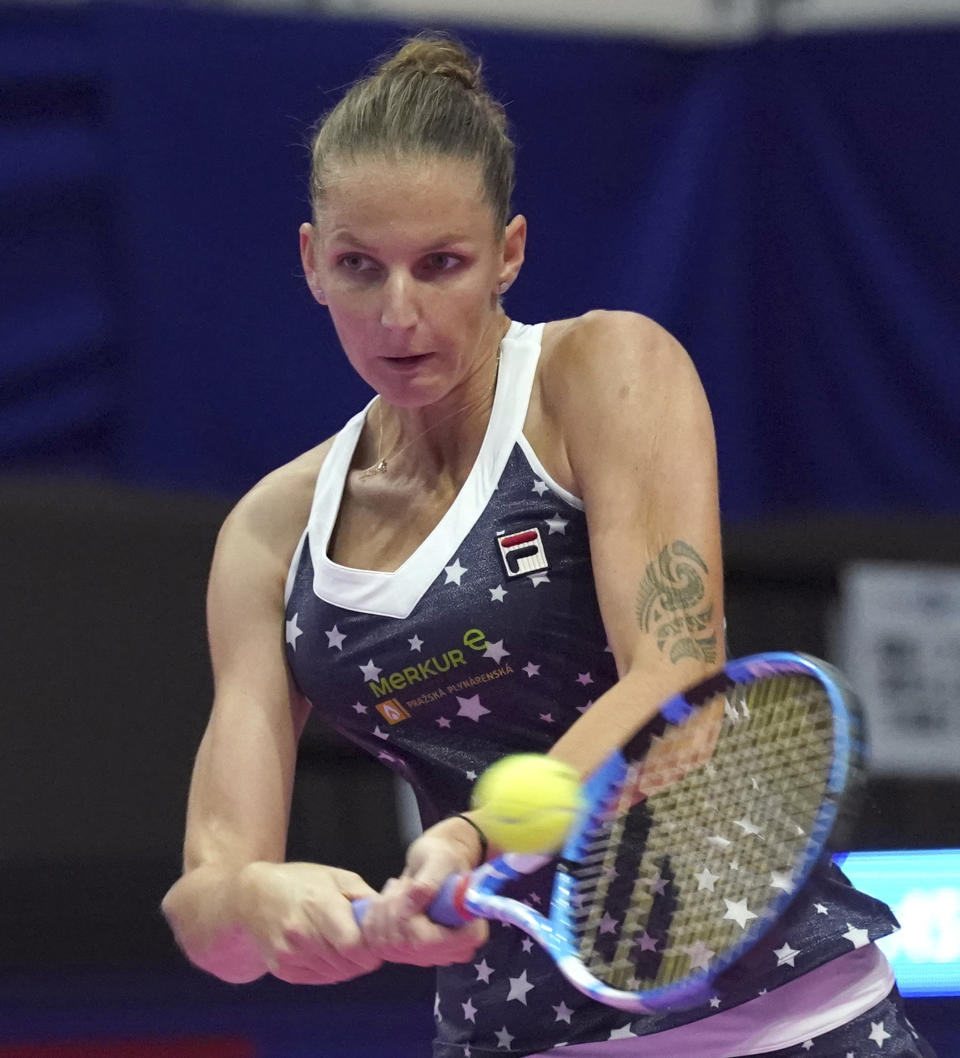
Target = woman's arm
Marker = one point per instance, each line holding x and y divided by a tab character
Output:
239	911
638	438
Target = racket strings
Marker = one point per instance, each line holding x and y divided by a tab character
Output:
672	884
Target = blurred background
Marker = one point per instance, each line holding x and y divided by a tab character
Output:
773	180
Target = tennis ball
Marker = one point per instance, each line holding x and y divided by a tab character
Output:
527	802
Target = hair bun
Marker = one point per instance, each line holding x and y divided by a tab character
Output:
434	54
425	100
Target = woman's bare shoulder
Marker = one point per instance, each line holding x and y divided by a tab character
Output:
602	352
609	336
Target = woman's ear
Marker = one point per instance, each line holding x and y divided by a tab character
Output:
308	260
514	245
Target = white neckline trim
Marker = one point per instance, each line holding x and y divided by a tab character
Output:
396	593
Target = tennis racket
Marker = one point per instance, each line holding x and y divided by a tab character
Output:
682	858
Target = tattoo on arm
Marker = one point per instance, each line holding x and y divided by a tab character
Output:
670	604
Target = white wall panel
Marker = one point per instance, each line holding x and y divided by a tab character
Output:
698	19
692	20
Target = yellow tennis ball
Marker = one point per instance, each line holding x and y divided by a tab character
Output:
527	802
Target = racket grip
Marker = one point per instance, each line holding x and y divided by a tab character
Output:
360	908
446	908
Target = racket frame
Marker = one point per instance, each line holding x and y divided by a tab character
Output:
480	898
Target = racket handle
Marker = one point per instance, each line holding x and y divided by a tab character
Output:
446	908
360	908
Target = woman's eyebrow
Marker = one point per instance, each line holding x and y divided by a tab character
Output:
435	244
346	236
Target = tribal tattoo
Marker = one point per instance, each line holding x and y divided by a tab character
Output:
670	604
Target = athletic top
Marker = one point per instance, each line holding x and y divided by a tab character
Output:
487	641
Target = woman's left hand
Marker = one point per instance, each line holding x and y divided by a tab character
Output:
396	926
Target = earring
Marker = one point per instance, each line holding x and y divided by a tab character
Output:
502	288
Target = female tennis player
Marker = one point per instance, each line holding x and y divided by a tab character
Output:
514	547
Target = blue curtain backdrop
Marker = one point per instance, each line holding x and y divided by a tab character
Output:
787	208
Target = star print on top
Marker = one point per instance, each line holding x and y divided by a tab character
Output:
293	632
453	661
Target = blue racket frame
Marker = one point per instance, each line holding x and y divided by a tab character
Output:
479	898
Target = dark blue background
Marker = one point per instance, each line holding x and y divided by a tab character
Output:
788	208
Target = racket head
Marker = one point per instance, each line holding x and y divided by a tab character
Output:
656	895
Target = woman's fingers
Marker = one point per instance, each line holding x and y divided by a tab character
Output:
440	948
308	958
397	928
301	920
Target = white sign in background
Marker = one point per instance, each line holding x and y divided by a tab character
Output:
899	643
695	20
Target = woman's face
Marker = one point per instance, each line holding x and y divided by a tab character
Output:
405	256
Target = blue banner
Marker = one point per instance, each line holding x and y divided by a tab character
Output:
922	888
787	208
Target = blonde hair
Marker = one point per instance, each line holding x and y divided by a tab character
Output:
428	99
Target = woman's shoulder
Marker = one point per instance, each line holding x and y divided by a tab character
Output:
605	350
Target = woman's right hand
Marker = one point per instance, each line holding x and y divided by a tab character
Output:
299	917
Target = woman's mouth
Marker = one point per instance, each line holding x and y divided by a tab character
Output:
407	363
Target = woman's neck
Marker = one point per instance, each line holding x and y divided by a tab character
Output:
439	439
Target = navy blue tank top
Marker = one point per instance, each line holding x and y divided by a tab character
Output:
488	640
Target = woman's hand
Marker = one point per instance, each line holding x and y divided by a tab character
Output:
396	926
299	917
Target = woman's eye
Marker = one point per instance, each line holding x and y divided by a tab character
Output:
355	262
441	262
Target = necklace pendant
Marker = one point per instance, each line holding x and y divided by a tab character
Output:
377	468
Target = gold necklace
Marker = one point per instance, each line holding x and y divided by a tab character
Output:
380	467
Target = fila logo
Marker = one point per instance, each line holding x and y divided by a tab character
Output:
392	711
522	552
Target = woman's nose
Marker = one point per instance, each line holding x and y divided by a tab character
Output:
398	310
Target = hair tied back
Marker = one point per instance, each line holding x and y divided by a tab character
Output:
426	100
431	54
